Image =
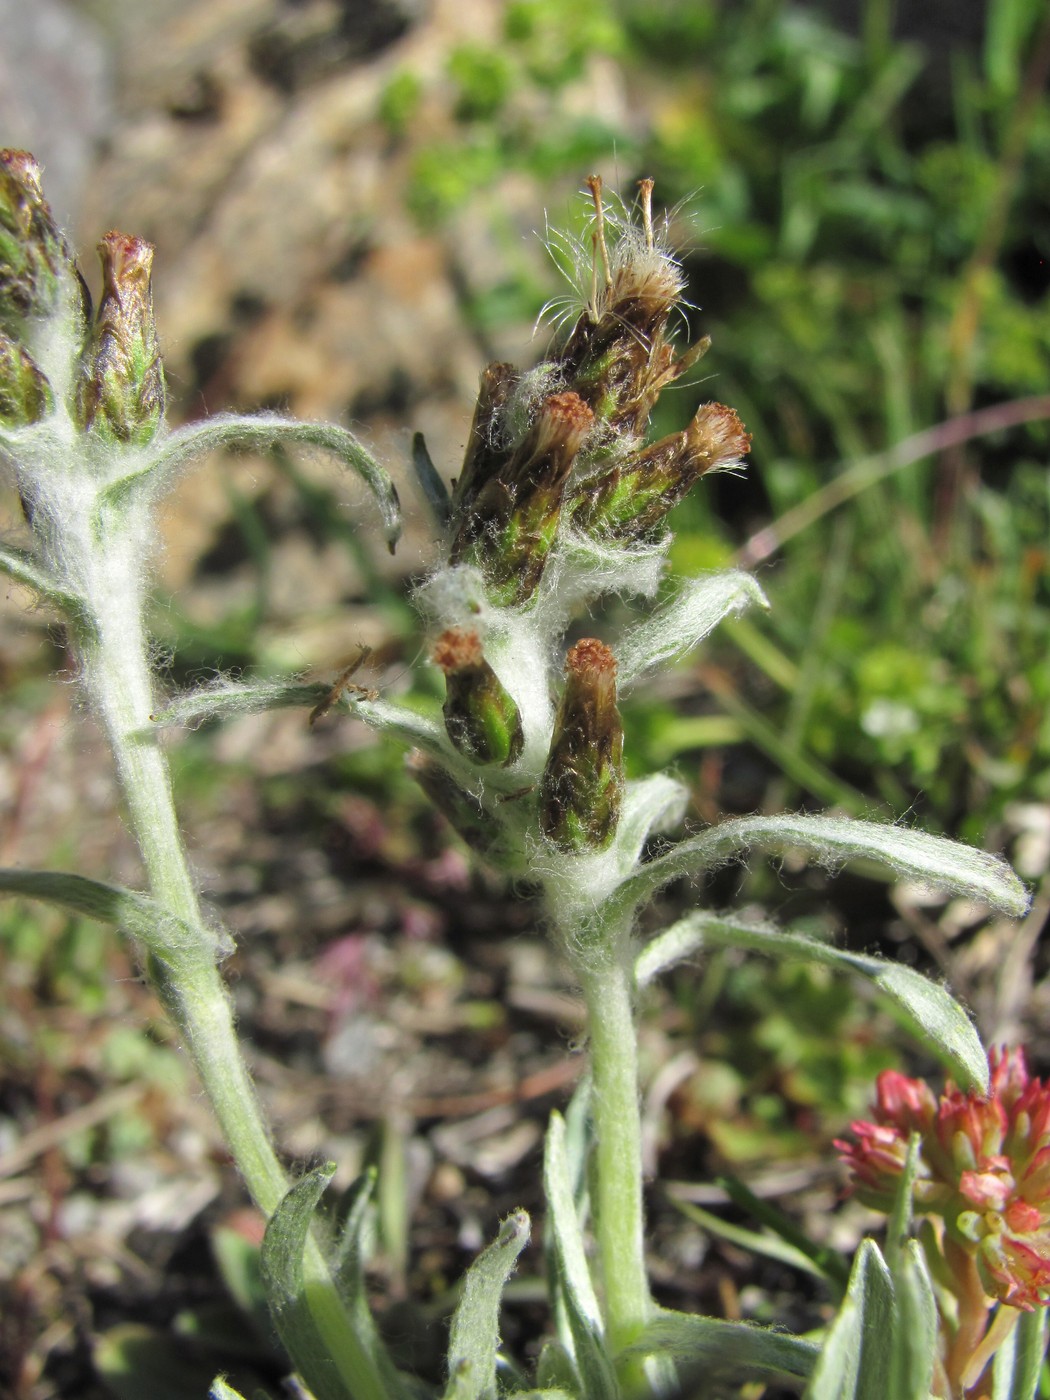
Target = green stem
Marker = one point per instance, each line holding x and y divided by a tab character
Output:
114	655
187	980
608	990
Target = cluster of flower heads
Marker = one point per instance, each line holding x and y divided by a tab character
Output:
557	455
567	439
118	389
984	1170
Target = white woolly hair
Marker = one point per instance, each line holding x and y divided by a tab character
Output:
523	406
631	260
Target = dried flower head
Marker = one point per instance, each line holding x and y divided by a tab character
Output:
632	500
984	1170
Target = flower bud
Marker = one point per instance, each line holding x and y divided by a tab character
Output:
581	791
483	456
25	394
481	718
34	257
633	499
121	391
509	527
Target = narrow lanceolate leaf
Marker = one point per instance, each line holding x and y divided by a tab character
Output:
651	806
683	940
20	565
883	1340
165	935
474	1339
681	624
943	864
434	489
853	1362
261	432
927	1009
898	1226
349	1259
1019	1361
572	1285
227	699
916	1334
712	1348
313	1324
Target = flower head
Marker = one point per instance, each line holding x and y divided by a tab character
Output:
509	522
35	259
481	717
984	1169
632	499
122	387
582	787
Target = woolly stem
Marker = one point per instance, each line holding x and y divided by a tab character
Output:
608	990
113	652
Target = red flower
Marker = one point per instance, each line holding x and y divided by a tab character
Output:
984	1169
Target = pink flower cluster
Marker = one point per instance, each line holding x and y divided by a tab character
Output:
984	1169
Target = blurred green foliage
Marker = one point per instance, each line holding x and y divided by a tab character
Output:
787	1061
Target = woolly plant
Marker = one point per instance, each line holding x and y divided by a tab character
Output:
560	500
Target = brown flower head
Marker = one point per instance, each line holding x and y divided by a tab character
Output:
582	787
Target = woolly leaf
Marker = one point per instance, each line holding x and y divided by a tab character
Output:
915	1338
572	1285
310	1318
651	806
226	699
474	1339
585	568
682	940
259	432
853	1363
927	1009
946	865
24	568
770	1246
883	1339
898	1225
349	1258
554	1369
716	1348
686	620
165	935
